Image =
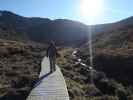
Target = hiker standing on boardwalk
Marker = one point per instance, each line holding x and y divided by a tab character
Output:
51	54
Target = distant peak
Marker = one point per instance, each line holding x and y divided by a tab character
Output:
1	14
7	13
4	11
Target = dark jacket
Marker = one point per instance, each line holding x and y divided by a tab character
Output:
51	51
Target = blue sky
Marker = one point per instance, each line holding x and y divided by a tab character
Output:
114	10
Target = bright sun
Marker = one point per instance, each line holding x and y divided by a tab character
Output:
91	8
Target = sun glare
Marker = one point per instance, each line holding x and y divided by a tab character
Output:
91	8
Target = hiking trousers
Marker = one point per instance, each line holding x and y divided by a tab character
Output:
52	64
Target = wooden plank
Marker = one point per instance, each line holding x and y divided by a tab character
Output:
52	87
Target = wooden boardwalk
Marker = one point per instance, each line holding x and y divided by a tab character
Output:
52	87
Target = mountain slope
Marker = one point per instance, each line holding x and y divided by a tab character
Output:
117	35
62	31
112	50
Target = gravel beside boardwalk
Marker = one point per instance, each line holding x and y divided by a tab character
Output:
52	87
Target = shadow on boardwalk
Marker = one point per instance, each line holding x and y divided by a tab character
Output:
37	82
50	86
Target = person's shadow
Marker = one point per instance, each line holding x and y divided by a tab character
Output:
37	82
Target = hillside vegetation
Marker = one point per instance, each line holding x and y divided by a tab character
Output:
19	68
23	45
